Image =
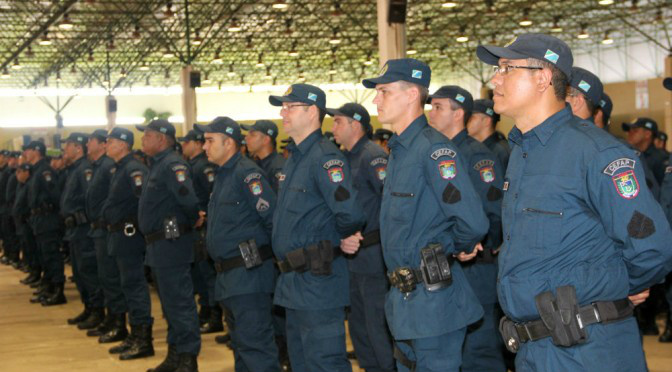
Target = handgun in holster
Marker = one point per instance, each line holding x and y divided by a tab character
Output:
320	256
250	253
560	314
435	267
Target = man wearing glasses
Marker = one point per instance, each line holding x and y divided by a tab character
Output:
316	213
581	232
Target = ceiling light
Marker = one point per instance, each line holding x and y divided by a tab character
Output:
279	5
337	10
58	76
16	65
29	52
168	54
334	38
217	60
144	67
90	59
168	13
260	61
123	73
526	21
235	26
293	53
136	32
368	62
556	27
45	40
607	39
411	51
197	40
66	23
268	73
605	2
73	70
449	4
231	73
583	34
206	80
5	74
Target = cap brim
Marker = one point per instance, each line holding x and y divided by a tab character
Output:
667	83
204	128
141	127
491	54
626	127
334	112
182	139
279	100
371	83
246	127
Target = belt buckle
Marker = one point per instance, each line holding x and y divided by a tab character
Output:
129	229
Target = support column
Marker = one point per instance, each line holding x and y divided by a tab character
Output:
391	36
188	100
111	111
667	101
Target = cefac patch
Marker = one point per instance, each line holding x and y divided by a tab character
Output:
181	176
626	184
336	174
255	188
447	169
381	172
88	174
487	174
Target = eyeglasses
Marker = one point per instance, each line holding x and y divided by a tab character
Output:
504	69
289	107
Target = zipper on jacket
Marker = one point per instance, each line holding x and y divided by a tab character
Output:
552	213
403	194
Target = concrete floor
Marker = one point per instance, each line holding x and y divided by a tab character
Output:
35	338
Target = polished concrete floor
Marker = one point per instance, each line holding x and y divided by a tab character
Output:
35	338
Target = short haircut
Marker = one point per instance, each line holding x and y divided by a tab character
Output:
559	80
456	106
592	108
424	91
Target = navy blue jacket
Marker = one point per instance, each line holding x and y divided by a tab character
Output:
97	192
272	165
498	144
241	208
203	178
316	202
368	164
73	198
428	198
666	192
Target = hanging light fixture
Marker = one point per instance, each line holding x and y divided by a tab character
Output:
168	13
58	76
448	4
583	34
607	39
411	51
217	60
234	26
136	32
144	67
556	26
279	5
526	21
206	80
231	73
462	36
605	2
5	74
260	60
45	40
197	40
168	54
335	39
90	59
66	23
16	65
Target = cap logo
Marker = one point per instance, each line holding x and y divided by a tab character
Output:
416	74
551	56
383	69
229	130
288	92
123	136
602	103
312	96
357	117
511	42
270	132
489	111
80	139
584	86
459	98
648	125
163	130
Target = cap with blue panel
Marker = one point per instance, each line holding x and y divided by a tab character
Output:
403	69
160	125
304	93
587	83
266	127
224	125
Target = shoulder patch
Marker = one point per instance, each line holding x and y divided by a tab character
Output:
262	205
180	173
443	152
484	163
255	187
88	174
333	163
210	173
252	176
137	178
668	169
377	161
448	169
179	167
617	164
626	184
486	170
281	176
47	176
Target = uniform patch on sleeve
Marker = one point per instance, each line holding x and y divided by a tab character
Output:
617	164
626	184
333	163
486	170
255	187
443	152
451	194
137	178
668	169
252	176
210	174
640	226
180	172
377	161
262	205
281	176
47	176
334	169
448	169
341	194
381	173
88	174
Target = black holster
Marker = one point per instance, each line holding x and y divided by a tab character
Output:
560	314
171	229
200	246
435	267
320	256
507	329
250	254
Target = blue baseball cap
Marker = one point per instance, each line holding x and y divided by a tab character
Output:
99	134
192	135
159	125
78	138
37	146
224	125
458	94
405	69
121	134
485	107
646	123
538	46
587	83
667	83
266	127
353	111
606	105
383	134
304	93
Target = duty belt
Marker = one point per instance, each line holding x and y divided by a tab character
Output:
370	238
129	227
45	209
405	278
100	224
75	219
299	260
221	266
161	234
597	312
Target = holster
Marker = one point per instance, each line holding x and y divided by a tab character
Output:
171	229
320	256
404	279
435	267
507	329
250	254
560	315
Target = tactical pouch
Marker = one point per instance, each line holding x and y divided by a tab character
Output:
297	260
561	316
250	253
507	329
435	267
403	279
320	256
170	228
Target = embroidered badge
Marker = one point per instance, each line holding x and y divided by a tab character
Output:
551	56
617	164
333	163
381	172
505	187
626	184
181	175
487	174
383	70
137	178
357	117
416	74
377	161
262	205
281	176
312	96
443	152
47	176
448	169
459	98
255	187
210	173
584	86
88	174
288	91
336	174
489	112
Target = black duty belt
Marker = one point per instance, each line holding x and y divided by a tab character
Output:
43	210
370	238
405	278
161	235
299	260
100	224
597	312
129	227
75	219
221	266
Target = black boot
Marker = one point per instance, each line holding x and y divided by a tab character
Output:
33	277
41	294
117	330
188	363
667	334
124	346
224	339
103	327
204	315
142	346
81	317
169	364
214	324
56	298
94	319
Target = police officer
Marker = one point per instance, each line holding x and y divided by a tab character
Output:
368	282
429	212
451	109
113	328
240	220
640	135
10	239
43	198
260	139
584	93
482	126
581	233
203	273
126	245
77	225
317	212
660	142
5	171
381	137
602	117
21	212
167	215
666	203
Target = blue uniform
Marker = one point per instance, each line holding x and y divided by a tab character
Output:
11	242
428	198
272	165
497	143
241	209
21	213
575	213
483	351
128	252
316	203
368	282
168	194
108	274
666	203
